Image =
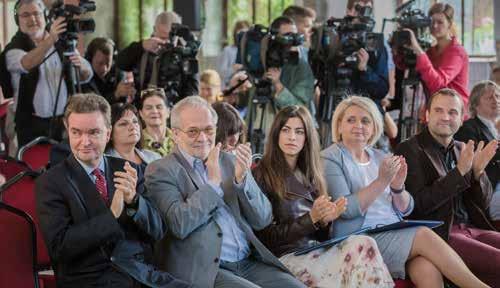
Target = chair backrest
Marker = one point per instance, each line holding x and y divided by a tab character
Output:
19	192
36	153
11	167
17	249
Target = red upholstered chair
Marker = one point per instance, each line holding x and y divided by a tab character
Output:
255	159
403	284
19	192
17	249
36	153
10	167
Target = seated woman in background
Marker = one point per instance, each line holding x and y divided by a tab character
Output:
484	108
126	134
210	86
373	183
290	173
231	129
154	113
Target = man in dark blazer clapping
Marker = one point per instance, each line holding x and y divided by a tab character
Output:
484	108
97	225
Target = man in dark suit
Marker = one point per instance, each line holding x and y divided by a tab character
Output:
211	204
97	225
484	108
447	181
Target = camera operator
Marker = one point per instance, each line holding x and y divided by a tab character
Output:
143	58
107	81
446	65
35	72
293	83
304	18
370	78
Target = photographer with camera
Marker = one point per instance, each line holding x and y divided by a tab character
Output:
304	18
293	82
370	78
445	65
144	58
35	71
107	81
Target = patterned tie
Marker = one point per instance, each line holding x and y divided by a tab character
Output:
100	184
200	169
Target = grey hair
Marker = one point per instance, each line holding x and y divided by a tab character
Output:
192	102
168	17
40	3
476	93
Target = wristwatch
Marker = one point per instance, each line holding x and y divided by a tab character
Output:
131	208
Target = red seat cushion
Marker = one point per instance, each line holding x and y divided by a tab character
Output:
403	284
16	246
37	156
10	168
49	281
21	195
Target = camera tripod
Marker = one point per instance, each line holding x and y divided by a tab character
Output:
412	97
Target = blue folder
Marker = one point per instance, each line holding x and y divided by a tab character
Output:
368	230
405	224
328	243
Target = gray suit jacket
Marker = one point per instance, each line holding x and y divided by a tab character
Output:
343	183
192	246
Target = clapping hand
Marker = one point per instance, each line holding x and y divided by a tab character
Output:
389	168
400	177
482	157
243	162
325	211
213	168
126	182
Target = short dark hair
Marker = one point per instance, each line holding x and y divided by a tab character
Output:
446	92
298	12
105	45
88	103
351	3
278	22
229	123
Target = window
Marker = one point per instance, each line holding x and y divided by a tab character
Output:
137	18
264	13
8	26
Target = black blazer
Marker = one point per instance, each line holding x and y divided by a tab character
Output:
474	129
434	190
86	244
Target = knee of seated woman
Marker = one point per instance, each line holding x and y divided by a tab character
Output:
425	233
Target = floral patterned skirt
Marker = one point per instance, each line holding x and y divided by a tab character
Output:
355	262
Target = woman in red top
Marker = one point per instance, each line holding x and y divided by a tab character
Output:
445	65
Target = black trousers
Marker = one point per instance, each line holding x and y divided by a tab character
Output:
37	127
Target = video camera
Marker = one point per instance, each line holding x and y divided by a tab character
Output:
418	22
338	40
258	49
74	25
177	58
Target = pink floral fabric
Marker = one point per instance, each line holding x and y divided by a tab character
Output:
355	262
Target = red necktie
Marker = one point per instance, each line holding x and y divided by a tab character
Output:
100	184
